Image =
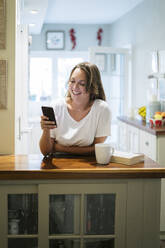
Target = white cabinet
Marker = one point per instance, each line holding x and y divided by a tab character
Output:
134	139
128	138
80	213
63	215
137	140
122	136
148	144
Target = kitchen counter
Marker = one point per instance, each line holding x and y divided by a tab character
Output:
137	136
31	167
143	125
136	189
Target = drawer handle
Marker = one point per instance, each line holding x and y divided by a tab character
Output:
147	143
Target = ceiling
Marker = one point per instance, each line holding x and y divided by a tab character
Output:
73	11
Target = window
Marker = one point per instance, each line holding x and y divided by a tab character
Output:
49	73
40	87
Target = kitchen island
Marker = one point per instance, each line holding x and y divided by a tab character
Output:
73	202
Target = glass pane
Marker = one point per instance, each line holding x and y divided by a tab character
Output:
115	86
22	214
100	214
64	212
113	79
99	243
40	85
64	243
25	243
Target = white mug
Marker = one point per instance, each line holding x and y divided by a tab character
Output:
103	153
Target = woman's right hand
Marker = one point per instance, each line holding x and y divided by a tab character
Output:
46	124
46	142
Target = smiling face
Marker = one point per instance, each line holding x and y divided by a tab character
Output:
77	86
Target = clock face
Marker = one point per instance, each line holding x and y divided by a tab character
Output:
55	40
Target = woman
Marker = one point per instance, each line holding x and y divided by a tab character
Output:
83	117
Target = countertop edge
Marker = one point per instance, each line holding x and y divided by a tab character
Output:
112	174
31	167
142	125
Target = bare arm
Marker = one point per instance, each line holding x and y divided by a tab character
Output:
79	149
46	142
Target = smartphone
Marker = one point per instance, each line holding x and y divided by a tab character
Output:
49	112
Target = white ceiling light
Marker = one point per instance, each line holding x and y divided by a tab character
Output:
32	24
33	11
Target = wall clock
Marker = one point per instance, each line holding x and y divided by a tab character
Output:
55	40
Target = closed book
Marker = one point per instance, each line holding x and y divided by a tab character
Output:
127	158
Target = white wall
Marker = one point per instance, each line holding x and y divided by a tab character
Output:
85	36
144	29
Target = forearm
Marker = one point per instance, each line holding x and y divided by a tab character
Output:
46	143
89	150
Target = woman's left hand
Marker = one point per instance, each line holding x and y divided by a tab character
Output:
79	149
59	148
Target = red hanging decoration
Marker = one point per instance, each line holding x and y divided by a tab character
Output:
99	36
73	38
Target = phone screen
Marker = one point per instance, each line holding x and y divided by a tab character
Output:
49	112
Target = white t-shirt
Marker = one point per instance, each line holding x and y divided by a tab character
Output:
69	132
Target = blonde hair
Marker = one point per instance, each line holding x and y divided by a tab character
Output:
94	84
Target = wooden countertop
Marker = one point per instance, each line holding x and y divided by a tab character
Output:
143	125
31	167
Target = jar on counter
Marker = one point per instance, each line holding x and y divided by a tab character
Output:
13	226
152	107
153	98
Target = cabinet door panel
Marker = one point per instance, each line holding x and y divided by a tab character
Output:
71	215
122	137
133	139
148	144
100	243
25	243
100	214
19	216
128	138
64	210
22	214
64	243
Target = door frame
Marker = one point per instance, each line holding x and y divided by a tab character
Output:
21	90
